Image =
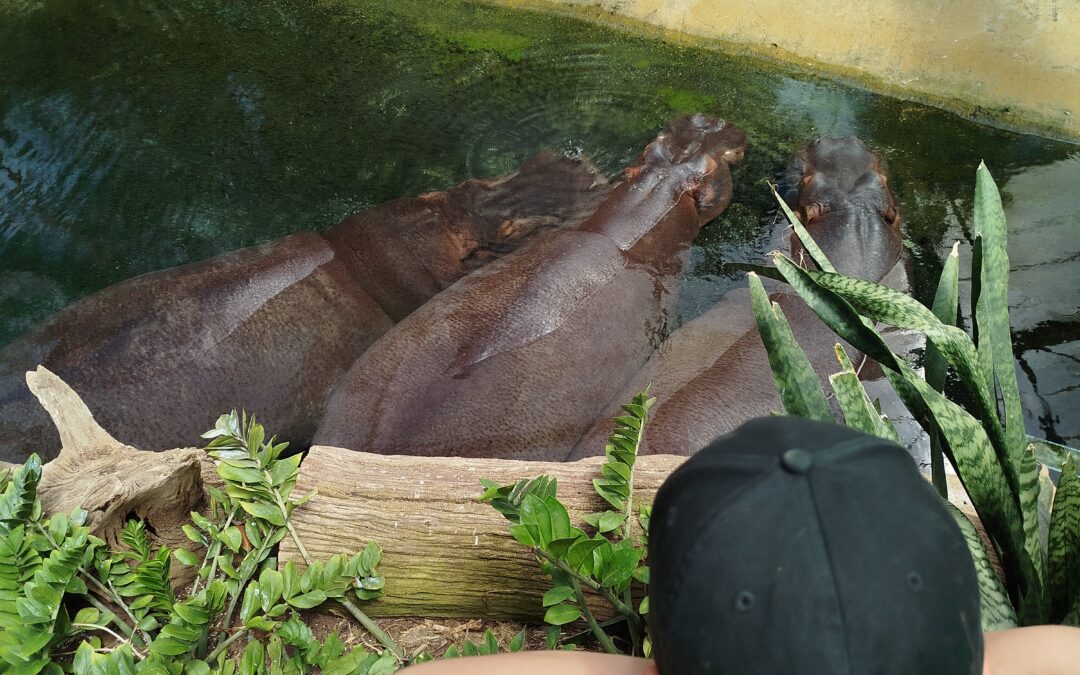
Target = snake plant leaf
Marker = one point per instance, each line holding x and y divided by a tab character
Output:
997	610
1030	491
881	303
990	306
886	305
944	307
795	379
816	254
1064	543
966	441
991	318
946	300
1047	489
858	410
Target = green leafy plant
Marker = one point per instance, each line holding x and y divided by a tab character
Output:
982	436
488	645
607	562
128	618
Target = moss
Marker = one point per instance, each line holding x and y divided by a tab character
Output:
509	46
686	101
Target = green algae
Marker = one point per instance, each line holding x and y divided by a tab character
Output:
506	45
685	101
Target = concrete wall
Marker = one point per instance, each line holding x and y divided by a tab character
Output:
1013	62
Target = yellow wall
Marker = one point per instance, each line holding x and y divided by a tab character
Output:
1014	62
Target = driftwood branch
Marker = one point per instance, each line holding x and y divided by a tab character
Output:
113	481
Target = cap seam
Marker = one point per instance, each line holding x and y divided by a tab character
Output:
693	551
832	576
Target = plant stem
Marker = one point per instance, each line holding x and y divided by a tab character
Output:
369	624
601	636
110	592
635	636
121	638
225	645
260	554
120	623
628	529
376	631
212	554
288	521
620	606
115	597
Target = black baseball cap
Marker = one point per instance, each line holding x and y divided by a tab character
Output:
794	547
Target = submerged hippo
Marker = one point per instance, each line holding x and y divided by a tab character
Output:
713	374
518	359
271	328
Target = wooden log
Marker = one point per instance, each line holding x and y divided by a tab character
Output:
445	553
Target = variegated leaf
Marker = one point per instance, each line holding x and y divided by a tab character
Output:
997	609
795	379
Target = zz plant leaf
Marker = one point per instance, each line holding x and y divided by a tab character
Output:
607	562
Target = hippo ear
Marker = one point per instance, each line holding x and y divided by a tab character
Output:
890	214
813	211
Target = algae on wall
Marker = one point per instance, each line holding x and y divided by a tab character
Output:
1013	63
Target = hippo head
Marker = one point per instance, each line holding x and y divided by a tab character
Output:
843	199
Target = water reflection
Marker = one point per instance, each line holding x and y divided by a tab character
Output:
1044	294
138	137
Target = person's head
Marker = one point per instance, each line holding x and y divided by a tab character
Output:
791	546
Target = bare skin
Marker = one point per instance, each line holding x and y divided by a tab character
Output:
270	329
539	663
517	359
712	374
1034	650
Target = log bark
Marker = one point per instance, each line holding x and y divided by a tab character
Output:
444	552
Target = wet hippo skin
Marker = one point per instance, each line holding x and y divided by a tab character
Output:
713	374
519	358
271	328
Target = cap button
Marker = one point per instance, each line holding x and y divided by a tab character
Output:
797	461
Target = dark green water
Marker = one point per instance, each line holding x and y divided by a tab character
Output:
136	136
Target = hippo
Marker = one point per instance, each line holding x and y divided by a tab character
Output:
518	359
271	328
713	373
